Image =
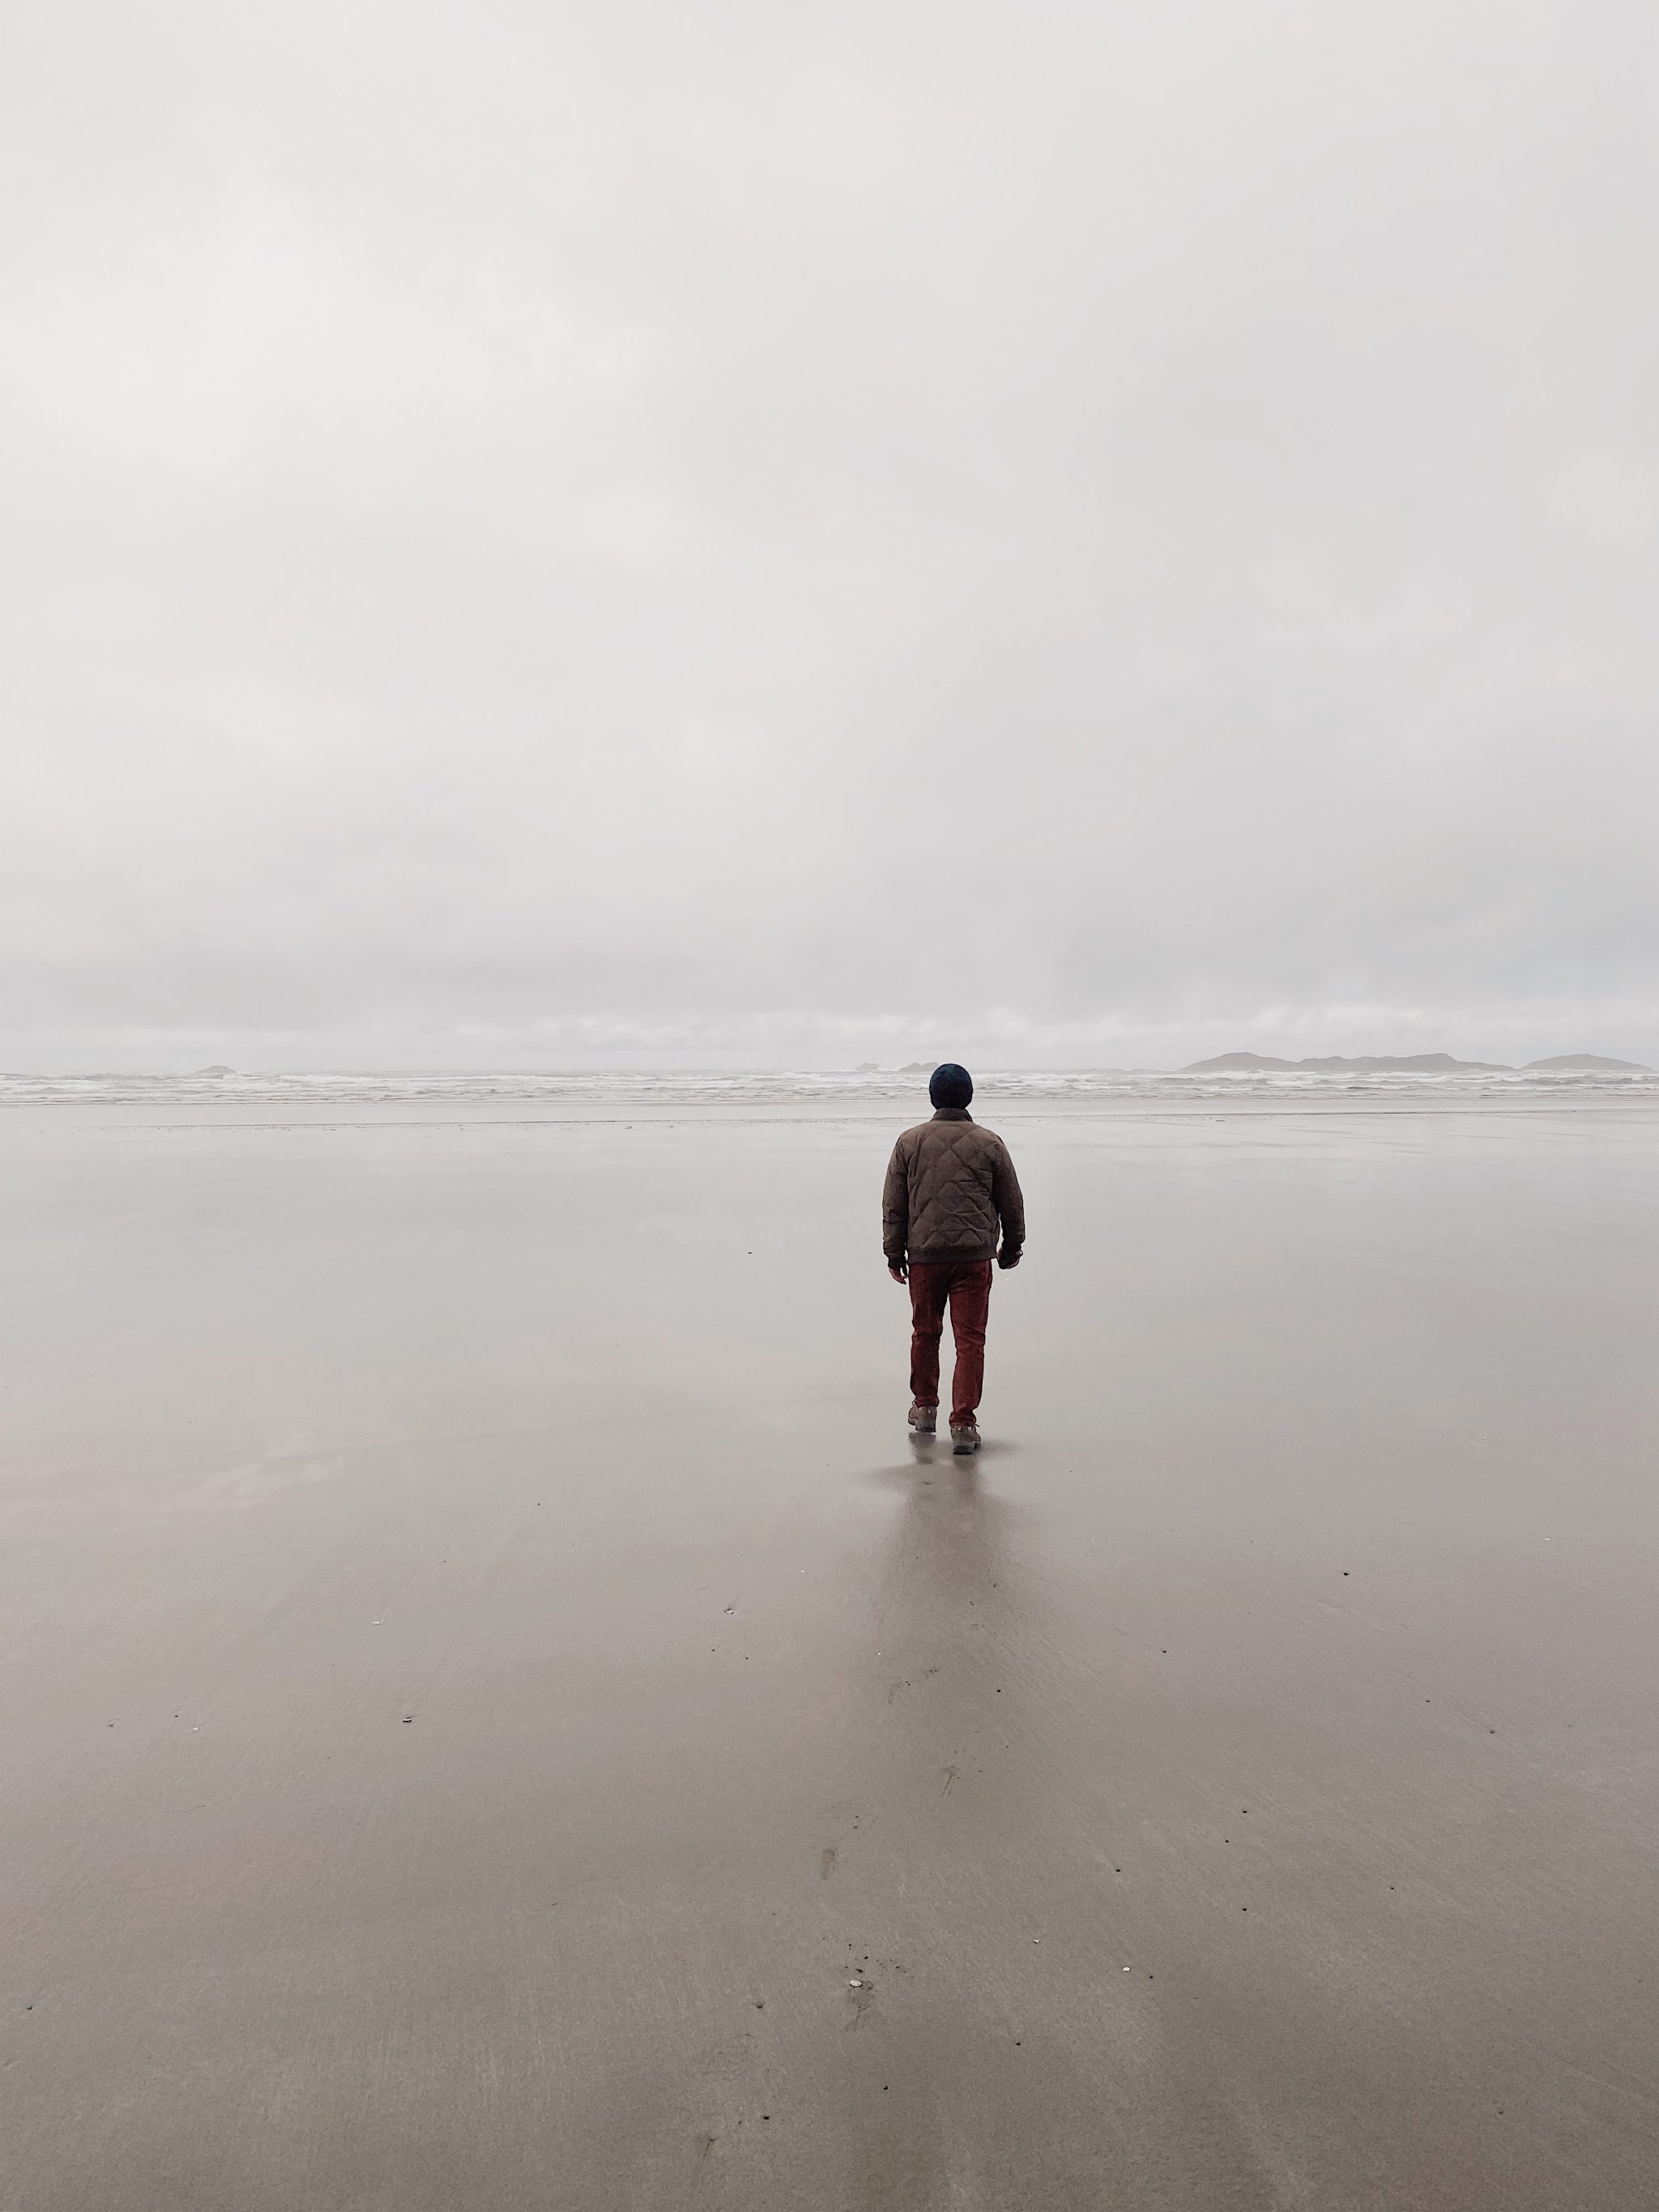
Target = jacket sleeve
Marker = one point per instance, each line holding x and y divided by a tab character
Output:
895	1206
1009	1200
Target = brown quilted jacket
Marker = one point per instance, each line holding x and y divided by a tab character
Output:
950	1186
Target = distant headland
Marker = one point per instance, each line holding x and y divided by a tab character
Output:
1414	1063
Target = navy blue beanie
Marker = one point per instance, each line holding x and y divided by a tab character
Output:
951	1086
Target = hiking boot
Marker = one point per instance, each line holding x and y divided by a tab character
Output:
924	1419
964	1436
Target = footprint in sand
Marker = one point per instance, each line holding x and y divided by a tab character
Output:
862	1991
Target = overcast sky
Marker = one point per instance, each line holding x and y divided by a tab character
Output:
785	533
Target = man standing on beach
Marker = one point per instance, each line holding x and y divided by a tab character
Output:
950	1192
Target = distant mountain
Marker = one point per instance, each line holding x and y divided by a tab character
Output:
216	1071
1590	1060
1381	1063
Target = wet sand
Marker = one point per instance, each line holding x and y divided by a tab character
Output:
495	1714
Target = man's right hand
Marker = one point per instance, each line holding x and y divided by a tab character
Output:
1009	1259
898	1271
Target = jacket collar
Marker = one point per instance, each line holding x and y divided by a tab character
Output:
952	1113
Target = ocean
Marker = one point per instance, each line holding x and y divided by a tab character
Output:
801	1087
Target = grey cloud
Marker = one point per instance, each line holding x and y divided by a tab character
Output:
767	529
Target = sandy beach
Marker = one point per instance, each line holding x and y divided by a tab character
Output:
496	1714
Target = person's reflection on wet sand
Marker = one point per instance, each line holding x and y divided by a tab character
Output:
992	2056
948	2093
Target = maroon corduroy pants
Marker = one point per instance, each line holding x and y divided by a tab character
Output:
965	1286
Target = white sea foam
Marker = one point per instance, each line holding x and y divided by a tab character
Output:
789	1087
